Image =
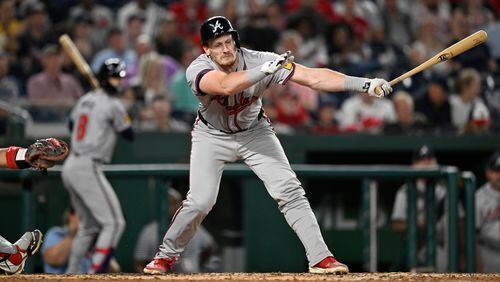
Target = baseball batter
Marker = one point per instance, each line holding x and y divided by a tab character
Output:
488	217
230	81
97	117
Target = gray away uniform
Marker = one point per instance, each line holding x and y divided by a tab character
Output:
97	119
229	128
488	227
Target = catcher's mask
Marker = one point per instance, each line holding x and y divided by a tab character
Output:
217	26
113	67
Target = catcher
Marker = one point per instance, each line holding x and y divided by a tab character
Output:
41	155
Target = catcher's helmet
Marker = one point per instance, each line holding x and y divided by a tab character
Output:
113	67
217	26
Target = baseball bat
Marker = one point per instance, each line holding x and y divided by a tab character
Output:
456	49
80	63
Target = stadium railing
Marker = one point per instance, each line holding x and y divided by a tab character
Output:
367	174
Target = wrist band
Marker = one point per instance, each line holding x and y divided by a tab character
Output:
255	75
358	84
15	158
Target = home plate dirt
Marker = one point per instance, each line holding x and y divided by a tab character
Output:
249	277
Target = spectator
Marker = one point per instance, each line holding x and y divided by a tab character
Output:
51	86
363	113
134	29
184	102
477	14
352	14
155	75
83	26
343	49
102	18
57	245
288	104
424	158
326	123
143	46
158	117
259	34
116	49
189	15
9	90
396	24
468	111
406	120
10	27
434	106
168	42
435	13
426	45
148	8
34	38
274	15
198	256
478	57
312	50
488	218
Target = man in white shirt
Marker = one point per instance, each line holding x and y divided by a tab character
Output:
469	113
363	113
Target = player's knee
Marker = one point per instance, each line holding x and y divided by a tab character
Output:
202	204
292	199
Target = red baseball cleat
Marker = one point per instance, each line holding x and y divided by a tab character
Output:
329	265
160	265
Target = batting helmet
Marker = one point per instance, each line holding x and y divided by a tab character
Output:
217	26
113	67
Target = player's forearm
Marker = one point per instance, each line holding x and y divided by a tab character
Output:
234	83
237	82
327	80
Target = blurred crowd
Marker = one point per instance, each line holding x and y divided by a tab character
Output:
159	39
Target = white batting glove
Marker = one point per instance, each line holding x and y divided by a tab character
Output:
383	88
271	67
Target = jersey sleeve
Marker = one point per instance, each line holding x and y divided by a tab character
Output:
120	118
283	75
195	72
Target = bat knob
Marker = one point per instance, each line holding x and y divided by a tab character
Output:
379	92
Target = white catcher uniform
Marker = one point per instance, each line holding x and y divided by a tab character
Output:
229	128
97	117
488	227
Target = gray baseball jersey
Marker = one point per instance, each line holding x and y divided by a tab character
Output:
488	226
240	111
234	127
97	117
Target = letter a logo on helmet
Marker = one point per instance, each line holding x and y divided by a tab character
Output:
215	27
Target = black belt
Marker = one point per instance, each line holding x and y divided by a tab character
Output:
200	116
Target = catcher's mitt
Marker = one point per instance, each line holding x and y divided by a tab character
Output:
44	153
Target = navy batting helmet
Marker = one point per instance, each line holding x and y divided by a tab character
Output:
217	26
113	67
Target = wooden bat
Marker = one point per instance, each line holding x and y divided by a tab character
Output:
454	50
75	55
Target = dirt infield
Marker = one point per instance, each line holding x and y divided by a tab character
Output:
248	277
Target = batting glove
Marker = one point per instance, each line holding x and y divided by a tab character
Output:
271	67
379	88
